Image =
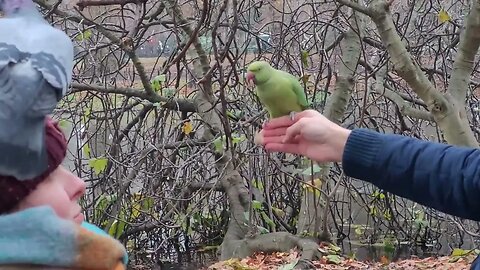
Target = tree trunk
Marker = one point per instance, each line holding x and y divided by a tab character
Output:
446	110
310	218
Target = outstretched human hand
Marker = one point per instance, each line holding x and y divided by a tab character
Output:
310	134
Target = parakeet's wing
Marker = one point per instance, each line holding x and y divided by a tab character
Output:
297	88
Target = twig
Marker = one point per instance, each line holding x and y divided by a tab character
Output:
402	105
92	3
462	228
183	105
356	6
54	7
193	34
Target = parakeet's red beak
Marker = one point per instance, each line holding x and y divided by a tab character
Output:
250	79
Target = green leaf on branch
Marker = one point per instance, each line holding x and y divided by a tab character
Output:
157	82
256	205
98	164
304	57
84	35
443	16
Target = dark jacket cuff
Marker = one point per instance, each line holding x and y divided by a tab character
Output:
360	153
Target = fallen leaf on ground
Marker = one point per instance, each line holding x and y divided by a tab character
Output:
285	260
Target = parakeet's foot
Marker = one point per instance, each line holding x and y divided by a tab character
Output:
292	116
265	122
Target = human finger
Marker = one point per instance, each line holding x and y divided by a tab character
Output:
269	136
286	121
272	139
274	132
283	147
283	121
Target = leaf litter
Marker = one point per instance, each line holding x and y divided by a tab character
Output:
331	260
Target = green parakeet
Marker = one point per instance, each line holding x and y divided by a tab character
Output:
279	91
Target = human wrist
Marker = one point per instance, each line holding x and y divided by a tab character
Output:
340	140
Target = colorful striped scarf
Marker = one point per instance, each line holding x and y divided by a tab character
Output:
37	237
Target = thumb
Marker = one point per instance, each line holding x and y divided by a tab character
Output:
258	138
293	131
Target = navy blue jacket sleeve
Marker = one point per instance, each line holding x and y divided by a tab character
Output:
440	176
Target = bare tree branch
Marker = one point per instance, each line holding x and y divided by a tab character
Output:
356	6
465	57
444	111
187	156
183	105
92	3
397	98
